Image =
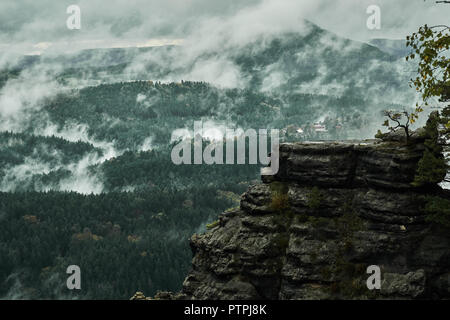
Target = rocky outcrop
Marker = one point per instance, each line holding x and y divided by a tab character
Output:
311	231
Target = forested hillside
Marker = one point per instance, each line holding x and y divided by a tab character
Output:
121	241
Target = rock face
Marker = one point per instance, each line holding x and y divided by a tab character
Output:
311	231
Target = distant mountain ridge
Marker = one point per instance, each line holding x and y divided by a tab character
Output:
396	48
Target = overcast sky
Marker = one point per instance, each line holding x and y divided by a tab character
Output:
37	25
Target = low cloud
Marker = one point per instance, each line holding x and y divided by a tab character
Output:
23	95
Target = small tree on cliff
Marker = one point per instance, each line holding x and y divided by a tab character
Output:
401	119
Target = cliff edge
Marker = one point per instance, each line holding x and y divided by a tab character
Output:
310	232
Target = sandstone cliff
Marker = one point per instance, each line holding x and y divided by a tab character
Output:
310	232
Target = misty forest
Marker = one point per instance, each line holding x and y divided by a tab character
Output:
86	176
